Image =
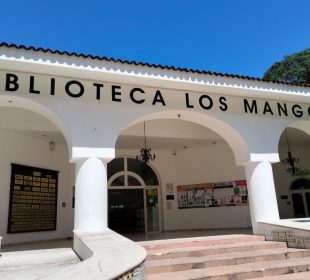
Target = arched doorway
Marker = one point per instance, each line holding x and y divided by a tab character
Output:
292	173
194	163
133	196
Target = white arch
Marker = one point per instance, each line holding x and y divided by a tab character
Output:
236	142
24	103
303	125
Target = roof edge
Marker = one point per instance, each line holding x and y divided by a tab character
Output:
145	64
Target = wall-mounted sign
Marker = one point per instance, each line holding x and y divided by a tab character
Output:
33	199
28	84
169	191
219	194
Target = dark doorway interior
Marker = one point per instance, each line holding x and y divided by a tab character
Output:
300	190
298	204
126	210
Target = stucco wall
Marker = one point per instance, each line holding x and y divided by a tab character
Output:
20	149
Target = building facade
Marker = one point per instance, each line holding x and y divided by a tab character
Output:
72	127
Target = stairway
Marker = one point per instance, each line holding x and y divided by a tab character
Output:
232	257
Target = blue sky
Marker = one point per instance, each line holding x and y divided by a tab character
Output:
231	36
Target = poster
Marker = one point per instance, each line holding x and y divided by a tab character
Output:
33	199
230	193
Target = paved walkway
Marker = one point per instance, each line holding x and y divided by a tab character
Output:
37	245
35	264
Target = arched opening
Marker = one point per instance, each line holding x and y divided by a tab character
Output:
292	173
37	179
44	112
133	196
200	184
233	138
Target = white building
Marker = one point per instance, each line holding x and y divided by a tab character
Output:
84	117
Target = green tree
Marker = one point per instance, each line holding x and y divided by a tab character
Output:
293	68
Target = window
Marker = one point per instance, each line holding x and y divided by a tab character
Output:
300	184
126	171
143	170
115	166
119	181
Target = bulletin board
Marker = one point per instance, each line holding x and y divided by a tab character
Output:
33	199
229	193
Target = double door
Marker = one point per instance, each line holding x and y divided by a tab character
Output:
301	203
134	209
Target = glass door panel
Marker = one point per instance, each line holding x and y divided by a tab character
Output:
298	204
307	195
152	209
126	213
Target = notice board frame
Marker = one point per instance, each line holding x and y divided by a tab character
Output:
30	169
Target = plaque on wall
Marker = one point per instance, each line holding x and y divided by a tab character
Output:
33	199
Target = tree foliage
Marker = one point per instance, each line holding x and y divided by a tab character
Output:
293	68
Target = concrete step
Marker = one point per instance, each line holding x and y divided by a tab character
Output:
291	276
199	241
217	260
238	272
198	251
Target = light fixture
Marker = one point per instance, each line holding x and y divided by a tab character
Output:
145	153
290	160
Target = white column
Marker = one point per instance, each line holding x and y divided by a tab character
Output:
262	194
91	195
